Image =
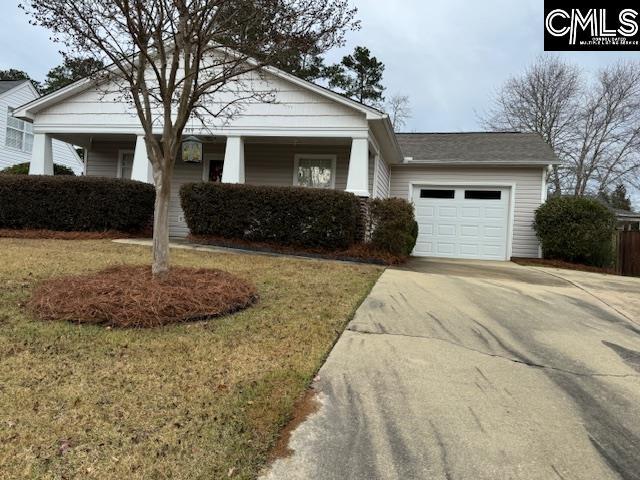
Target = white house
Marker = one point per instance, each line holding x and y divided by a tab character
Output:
475	194
16	136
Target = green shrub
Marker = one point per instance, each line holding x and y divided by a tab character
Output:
394	226
576	229
23	169
74	204
282	215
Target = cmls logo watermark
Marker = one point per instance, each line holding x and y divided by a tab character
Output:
572	26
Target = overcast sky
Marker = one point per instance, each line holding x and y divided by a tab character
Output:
448	56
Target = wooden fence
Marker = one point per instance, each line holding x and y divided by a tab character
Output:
628	253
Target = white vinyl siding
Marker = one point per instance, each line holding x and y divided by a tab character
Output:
63	153
102	159
274	164
380	181
293	109
528	182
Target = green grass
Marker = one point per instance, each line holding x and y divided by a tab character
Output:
195	401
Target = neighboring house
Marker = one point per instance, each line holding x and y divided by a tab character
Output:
475	194
16	136
627	220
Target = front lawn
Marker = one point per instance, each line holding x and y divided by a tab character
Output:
202	400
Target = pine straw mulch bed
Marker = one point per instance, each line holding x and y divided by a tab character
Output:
360	253
129	297
543	262
57	235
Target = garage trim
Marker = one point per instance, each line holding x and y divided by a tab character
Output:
512	201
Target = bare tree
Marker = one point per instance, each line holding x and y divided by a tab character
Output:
399	110
594	127
176	60
543	100
607	150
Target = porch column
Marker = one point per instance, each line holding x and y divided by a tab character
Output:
41	155
233	170
358	179
142	170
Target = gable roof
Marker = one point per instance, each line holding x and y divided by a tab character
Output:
6	85
473	148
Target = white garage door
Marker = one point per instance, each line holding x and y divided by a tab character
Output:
462	222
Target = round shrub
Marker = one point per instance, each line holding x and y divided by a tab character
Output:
290	216
393	224
128	296
576	229
74	204
23	169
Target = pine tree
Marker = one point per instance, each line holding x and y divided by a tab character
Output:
359	76
619	198
71	70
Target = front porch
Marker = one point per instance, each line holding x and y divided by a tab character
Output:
350	164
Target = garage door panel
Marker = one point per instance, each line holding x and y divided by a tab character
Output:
491	251
493	232
469	230
471	224
471	213
422	211
469	249
446	230
446	248
426	247
447	212
498	213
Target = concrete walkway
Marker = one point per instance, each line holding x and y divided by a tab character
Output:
463	370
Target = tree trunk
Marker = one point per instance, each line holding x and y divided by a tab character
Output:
556	181
161	224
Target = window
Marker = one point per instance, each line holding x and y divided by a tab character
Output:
19	133
125	164
437	193
483	194
315	171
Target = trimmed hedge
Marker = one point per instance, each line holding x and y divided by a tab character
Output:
577	230
23	169
283	215
394	226
74	204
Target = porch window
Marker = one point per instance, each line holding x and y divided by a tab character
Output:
19	133
315	171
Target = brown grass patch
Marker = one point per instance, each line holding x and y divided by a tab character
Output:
56	235
129	296
360	252
543	262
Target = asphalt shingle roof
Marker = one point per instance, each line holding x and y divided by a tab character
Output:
6	85
477	148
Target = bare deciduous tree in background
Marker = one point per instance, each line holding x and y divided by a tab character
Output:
179	59
399	110
544	100
593	126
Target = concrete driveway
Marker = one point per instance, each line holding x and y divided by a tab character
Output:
462	370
